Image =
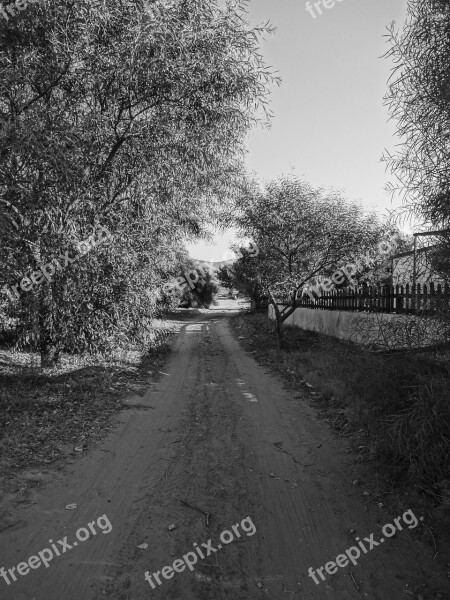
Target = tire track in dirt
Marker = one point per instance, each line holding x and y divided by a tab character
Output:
225	437
229	450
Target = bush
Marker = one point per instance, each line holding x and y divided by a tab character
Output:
203	294
418	437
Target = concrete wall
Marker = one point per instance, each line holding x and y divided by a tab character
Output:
378	330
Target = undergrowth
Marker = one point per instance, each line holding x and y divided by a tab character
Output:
401	401
47	414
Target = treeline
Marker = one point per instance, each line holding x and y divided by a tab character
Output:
130	116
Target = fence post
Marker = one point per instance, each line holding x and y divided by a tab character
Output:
439	298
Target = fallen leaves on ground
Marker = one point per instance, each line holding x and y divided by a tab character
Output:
47	415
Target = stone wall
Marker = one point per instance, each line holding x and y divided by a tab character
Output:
377	330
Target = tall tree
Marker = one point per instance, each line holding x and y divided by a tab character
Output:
128	115
418	99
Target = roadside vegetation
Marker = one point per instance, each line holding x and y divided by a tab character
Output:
204	291
399	402
302	233
104	125
394	409
130	117
51	414
418	101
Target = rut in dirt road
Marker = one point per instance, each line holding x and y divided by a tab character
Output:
217	446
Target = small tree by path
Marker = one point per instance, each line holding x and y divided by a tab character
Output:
244	276
301	232
418	101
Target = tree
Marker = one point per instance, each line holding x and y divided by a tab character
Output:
375	268
206	290
128	115
243	274
301	232
225	276
419	100
198	285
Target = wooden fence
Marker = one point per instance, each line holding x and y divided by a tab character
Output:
385	299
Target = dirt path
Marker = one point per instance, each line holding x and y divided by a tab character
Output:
220	434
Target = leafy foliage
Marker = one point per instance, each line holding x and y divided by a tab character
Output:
301	232
243	275
419	100
203	288
128	115
206	290
378	266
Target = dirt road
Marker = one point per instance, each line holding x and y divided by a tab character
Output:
223	436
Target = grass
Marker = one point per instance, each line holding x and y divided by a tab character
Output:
50	414
393	411
400	402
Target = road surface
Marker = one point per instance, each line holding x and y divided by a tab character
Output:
216	436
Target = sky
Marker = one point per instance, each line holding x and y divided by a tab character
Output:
330	126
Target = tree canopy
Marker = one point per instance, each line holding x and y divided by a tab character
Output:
128	115
301	232
418	100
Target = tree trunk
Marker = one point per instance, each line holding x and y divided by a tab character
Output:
49	350
49	355
280	333
280	320
256	303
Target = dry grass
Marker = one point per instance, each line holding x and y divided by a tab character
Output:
47	415
402	402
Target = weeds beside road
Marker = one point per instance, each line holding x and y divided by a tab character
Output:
218	437
50	414
394	409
